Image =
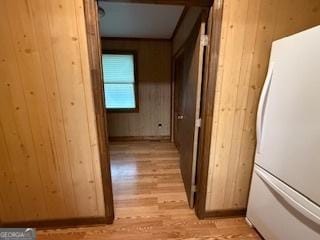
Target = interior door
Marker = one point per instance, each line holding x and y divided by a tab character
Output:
178	89
190	99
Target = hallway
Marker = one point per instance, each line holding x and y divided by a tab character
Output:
147	181
150	201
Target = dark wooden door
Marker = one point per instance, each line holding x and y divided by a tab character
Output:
188	109
178	76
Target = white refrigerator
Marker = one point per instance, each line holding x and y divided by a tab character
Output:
284	200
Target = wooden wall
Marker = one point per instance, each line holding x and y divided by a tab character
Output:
154	83
248	28
49	164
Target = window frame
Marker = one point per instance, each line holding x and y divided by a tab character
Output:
135	84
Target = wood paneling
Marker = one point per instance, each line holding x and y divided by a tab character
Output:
150	202
49	165
154	83
248	29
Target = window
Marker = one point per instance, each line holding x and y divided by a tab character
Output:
119	81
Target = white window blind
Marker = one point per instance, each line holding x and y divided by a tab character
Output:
119	81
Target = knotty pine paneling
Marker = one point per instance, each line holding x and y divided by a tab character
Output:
248	29
154	83
49	164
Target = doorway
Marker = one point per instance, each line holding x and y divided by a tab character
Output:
131	153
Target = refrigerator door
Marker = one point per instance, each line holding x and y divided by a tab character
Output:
279	212
288	122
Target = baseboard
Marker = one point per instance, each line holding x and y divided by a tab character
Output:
60	223
225	213
139	138
249	222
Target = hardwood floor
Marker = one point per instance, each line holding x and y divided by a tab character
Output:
150	201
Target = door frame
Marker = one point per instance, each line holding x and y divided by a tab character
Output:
207	103
214	26
94	53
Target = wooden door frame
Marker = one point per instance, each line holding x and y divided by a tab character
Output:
94	49
207	106
200	3
94	52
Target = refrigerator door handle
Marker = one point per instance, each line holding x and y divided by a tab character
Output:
262	104
301	204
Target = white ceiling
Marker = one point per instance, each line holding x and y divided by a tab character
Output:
136	20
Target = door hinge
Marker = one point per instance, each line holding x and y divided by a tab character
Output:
204	40
198	122
194	188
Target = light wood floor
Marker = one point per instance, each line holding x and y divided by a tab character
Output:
150	202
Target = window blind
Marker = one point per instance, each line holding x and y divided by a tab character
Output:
119	80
